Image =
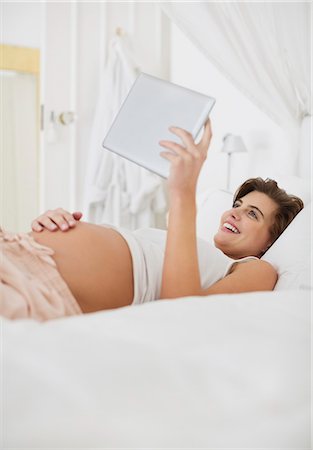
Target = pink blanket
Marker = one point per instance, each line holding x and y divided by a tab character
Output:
30	284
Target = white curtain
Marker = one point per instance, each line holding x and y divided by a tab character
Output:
263	48
117	191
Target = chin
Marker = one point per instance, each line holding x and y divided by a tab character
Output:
218	244
224	247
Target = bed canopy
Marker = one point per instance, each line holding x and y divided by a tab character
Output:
264	50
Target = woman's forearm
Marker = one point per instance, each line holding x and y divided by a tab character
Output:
181	276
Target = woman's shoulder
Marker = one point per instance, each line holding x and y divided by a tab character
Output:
253	264
256	274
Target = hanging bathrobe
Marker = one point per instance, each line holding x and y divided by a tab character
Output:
118	191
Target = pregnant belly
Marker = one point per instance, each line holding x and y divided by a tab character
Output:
96	264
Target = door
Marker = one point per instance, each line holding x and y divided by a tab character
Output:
19	131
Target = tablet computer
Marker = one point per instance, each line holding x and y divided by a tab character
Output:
150	108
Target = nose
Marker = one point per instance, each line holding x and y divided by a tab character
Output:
236	213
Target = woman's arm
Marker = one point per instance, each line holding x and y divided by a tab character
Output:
56	219
181	275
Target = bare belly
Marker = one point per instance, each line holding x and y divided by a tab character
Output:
95	262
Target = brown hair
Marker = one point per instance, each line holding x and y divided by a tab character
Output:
288	205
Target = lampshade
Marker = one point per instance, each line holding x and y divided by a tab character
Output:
233	144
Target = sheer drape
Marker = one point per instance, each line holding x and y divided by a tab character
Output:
263	48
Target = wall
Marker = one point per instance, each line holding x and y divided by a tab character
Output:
21	23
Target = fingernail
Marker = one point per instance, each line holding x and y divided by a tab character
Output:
72	223
53	227
64	226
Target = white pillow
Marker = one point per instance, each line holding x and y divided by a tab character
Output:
210	206
290	254
294	185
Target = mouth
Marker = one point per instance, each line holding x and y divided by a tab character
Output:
231	228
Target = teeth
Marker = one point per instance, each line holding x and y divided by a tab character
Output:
230	227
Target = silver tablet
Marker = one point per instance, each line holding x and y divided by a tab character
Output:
150	108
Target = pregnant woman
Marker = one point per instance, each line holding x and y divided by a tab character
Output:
66	267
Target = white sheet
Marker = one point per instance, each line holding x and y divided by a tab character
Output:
227	371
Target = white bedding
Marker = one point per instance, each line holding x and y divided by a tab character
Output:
221	372
226	371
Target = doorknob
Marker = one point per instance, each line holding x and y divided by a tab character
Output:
67	117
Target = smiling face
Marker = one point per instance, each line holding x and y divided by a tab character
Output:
244	229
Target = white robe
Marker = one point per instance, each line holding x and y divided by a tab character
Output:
118	191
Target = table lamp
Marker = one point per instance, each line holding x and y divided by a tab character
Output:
232	144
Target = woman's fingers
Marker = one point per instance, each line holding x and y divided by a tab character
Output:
66	219
207	134
188	140
169	156
77	215
35	225
186	159
63	219
56	219
43	222
176	148
188	155
184	135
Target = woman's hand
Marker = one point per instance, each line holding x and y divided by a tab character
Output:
56	219
187	159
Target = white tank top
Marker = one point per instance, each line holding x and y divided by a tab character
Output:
147	247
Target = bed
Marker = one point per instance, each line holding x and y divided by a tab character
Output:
223	371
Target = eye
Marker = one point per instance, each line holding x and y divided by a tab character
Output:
253	214
236	204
